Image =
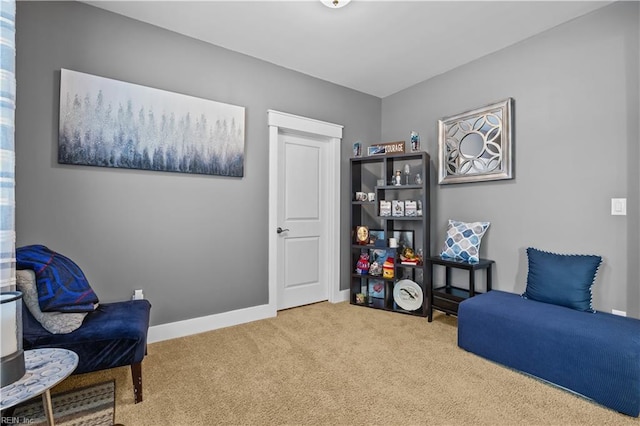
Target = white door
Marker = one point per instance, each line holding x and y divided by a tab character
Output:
302	220
304	197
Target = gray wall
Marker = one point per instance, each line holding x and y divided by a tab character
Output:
576	90
196	244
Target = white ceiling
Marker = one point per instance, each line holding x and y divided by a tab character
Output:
376	47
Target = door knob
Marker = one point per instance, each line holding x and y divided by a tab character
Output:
280	230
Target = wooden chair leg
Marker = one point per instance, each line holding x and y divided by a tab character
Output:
136	375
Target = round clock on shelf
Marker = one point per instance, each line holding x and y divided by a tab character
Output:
362	235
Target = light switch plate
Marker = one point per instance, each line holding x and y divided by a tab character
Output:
619	206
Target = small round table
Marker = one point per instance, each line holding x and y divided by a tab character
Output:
45	368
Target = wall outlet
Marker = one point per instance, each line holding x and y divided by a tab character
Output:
617	312
137	295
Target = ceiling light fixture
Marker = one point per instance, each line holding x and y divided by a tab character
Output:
335	4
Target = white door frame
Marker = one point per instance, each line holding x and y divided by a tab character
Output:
279	123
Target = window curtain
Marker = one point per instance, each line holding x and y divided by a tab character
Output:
7	143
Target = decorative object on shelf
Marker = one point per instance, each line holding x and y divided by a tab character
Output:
371	197
419	208
387	268
375	269
385	208
408	295
360	298
378	255
393	243
361	196
375	150
386	148
397	178
376	237
335	4
376	289
397	208
408	257
405	239
380	182
476	145
12	363
415	141
407	173
357	149
362	235
410	208
463	240
418	179
120	125
362	265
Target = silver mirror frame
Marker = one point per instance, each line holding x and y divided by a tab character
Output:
451	134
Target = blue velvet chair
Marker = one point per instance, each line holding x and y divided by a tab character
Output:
114	335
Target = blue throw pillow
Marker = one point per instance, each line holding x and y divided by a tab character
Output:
463	240
561	279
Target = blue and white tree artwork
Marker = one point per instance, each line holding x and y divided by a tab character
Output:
110	123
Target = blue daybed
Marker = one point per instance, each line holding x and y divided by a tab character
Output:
596	355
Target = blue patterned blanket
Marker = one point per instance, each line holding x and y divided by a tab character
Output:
62	286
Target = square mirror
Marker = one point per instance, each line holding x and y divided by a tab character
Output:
476	145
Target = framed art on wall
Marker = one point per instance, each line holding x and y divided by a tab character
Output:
111	123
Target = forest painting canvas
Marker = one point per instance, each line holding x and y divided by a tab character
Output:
110	123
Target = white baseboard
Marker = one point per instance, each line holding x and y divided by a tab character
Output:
173	330
158	333
341	296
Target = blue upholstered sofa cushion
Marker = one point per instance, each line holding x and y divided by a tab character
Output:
561	279
594	354
113	335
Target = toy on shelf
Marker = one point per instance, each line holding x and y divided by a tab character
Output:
387	268
409	257
362	266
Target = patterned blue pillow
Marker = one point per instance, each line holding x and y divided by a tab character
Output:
463	240
561	279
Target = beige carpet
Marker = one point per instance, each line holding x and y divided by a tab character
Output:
337	364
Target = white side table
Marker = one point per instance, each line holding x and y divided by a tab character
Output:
45	368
